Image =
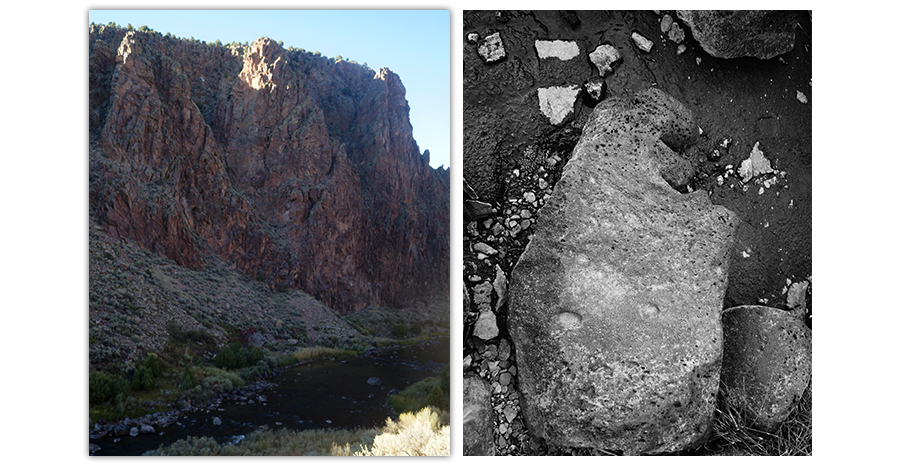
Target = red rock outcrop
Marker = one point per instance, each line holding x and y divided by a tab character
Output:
299	169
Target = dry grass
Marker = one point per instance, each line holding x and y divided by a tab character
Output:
419	434
315	442
733	435
416	434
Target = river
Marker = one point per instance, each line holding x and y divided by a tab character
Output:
328	393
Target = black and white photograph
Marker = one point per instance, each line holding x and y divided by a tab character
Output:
638	239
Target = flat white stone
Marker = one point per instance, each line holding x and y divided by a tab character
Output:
563	50
558	102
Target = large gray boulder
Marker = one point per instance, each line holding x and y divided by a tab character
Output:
767	363
742	33
478	429
615	304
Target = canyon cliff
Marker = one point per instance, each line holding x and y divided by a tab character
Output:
299	170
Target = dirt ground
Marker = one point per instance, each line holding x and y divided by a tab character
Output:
511	149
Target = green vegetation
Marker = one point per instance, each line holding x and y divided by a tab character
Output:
187	379
236	356
100	387
432	391
399	330
145	376
316	352
422	433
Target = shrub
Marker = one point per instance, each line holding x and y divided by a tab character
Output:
416	434
412	398
213	381
151	364
437	399
399	330
100	387
225	359
143	379
187	379
255	355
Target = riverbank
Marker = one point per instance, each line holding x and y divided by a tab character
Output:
328	392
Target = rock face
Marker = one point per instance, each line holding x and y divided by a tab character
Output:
742	33
300	170
615	304
767	363
478	433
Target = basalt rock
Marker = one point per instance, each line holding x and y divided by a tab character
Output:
478	431
615	304
767	363
298	169
742	33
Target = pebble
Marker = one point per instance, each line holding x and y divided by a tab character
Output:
641	42
529	197
676	34
505	378
491	352
504	351
510	412
485	249
665	23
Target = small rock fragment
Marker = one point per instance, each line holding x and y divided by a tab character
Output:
595	88
491	49
641	42
604	57
500	286
755	165
676	34
472	37
485	249
681	49
509	412
797	294
802	98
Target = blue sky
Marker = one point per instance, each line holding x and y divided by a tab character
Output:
414	44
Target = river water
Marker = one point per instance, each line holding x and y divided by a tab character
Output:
329	393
